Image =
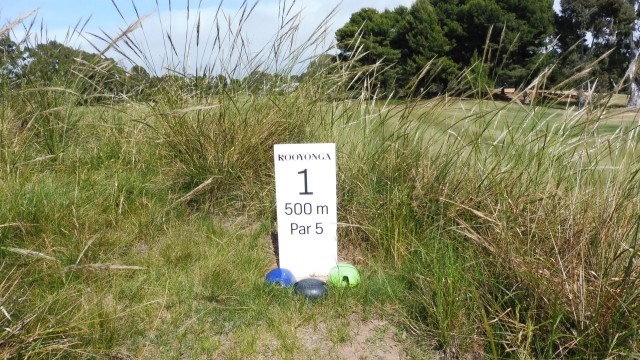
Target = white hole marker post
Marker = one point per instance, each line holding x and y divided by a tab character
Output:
306	207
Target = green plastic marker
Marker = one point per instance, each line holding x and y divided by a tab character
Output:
343	275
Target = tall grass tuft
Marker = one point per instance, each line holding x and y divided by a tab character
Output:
39	332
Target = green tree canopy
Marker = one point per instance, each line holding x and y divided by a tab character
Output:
55	64
423	41
372	33
511	34
10	58
371	37
596	27
508	35
53	60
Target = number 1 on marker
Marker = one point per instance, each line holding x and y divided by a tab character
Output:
306	189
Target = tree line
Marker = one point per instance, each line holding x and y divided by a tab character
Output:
496	42
423	48
97	78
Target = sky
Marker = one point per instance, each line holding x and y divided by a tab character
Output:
215	47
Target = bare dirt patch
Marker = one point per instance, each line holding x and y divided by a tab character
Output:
353	338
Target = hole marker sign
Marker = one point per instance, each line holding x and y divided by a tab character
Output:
306	207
